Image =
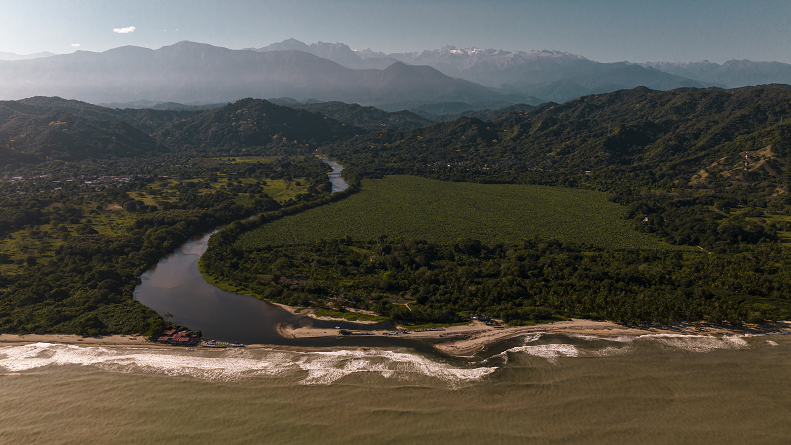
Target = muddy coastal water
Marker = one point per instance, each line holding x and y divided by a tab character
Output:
542	389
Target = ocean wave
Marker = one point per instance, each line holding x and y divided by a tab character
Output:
550	352
532	337
612	350
691	343
698	343
589	337
321	367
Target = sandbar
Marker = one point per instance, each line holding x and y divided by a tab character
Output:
469	339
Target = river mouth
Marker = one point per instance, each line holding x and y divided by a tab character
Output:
176	286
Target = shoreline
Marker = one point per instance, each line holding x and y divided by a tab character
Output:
472	338
455	340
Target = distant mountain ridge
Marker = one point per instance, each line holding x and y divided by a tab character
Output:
546	75
549	75
731	74
14	56
195	73
337	52
190	72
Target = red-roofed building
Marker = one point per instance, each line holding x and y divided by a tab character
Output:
183	338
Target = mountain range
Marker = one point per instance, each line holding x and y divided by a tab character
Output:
190	72
337	52
196	73
553	75
14	56
731	74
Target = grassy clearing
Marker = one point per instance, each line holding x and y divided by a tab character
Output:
110	219
350	316
280	190
248	159
413	327
42	240
445	211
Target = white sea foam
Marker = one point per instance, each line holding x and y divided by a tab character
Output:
698	343
549	352
612	350
326	367
619	339
771	343
533	336
321	367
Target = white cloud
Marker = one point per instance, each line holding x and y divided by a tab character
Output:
75	45
126	30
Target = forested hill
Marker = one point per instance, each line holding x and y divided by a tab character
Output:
62	135
368	117
484	114
682	135
254	123
40	128
147	120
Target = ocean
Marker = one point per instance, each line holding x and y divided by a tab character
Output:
535	389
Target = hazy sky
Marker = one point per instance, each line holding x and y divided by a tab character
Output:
605	30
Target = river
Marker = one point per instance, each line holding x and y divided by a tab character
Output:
338	184
176	286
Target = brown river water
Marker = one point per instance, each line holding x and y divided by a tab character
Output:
534	389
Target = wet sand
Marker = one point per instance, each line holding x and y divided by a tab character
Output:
466	340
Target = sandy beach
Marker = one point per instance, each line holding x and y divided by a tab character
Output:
455	340
118	341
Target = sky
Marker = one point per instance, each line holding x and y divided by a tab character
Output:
601	30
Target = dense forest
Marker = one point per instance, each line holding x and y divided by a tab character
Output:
93	196
368	117
416	281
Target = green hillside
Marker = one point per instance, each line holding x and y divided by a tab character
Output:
254	123
657	138
62	135
368	117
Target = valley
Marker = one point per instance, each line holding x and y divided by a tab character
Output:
629	206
